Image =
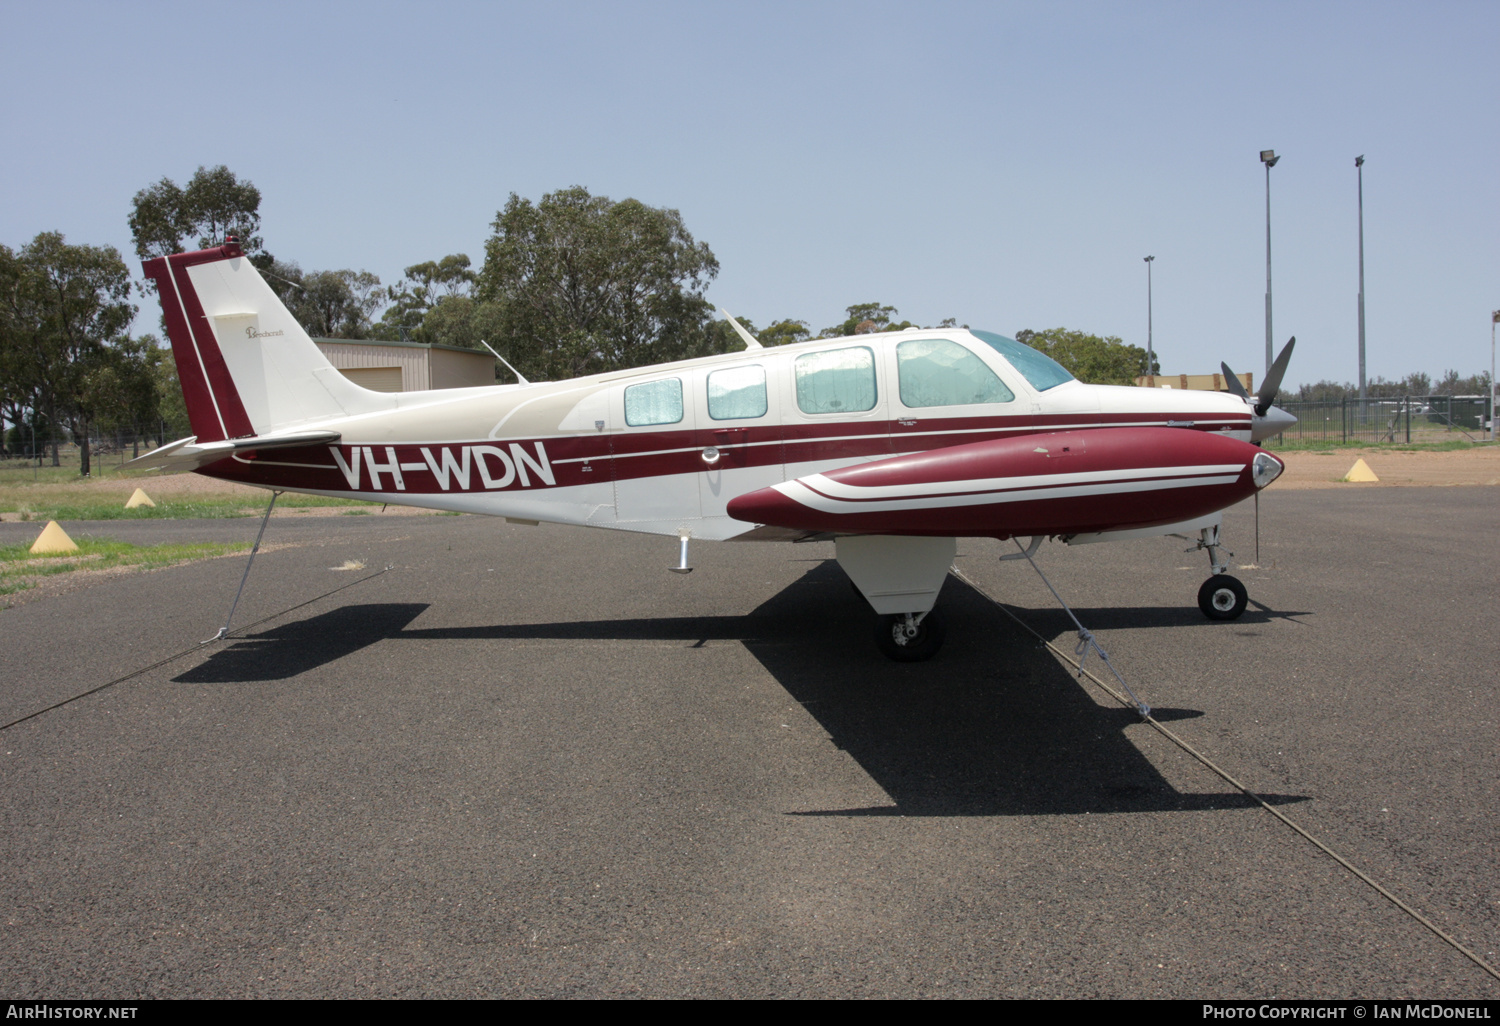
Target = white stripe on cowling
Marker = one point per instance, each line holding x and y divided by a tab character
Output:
800	493
839	490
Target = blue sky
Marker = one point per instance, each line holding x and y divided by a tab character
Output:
1005	164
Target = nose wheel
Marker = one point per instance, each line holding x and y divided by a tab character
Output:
910	638
1222	597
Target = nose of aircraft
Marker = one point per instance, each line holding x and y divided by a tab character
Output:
1275	421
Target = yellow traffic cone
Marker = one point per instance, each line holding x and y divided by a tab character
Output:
1360	472
52	541
139	498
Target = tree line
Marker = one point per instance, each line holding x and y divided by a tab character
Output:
572	284
1450	383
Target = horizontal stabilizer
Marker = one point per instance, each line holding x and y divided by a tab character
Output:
186	454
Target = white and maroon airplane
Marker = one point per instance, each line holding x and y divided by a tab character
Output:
892	445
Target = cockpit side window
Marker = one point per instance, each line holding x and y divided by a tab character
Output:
836	381
940	372
1038	368
655	402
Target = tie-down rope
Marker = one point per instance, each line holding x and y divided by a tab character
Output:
1083	647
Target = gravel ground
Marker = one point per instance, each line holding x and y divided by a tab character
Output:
1322	468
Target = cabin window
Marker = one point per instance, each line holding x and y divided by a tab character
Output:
656	402
1036	367
937	372
738	393
836	381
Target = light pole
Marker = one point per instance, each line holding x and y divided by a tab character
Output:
1359	164
1150	359
1494	320
1268	158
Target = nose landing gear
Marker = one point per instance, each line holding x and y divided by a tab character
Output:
1222	597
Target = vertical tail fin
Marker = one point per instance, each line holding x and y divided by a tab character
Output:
246	366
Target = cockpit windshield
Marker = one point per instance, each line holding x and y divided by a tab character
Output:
1038	368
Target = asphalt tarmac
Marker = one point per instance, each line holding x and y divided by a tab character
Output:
529	762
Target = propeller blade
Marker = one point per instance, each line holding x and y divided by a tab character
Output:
1267	394
1233	381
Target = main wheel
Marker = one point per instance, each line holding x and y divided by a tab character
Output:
892	640
1222	598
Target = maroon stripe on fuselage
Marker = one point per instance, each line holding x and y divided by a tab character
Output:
635	455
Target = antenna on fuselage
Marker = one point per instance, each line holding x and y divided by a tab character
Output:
503	360
750	340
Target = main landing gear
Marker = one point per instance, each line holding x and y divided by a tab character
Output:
910	637
900	577
1222	597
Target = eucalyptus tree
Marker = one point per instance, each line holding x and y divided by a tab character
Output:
434	302
165	218
64	310
328	304
1095	359
583	284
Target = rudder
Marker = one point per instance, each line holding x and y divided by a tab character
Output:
246	366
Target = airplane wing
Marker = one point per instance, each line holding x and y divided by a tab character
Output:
188	454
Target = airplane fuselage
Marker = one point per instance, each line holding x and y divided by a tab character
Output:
665	449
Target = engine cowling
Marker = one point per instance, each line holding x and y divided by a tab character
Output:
1057	483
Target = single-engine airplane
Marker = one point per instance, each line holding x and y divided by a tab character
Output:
892	445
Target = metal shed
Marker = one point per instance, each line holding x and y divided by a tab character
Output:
407	366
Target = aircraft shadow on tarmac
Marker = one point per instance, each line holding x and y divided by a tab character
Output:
994	725
292	648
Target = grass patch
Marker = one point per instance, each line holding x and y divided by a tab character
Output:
197	510
19	569
296	500
80	500
24	472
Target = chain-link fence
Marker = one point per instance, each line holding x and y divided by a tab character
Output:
26	451
1415	418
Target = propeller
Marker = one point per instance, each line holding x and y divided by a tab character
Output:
1233	381
1272	384
1266	395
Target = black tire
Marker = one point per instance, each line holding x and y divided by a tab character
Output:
1222	598
891	639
